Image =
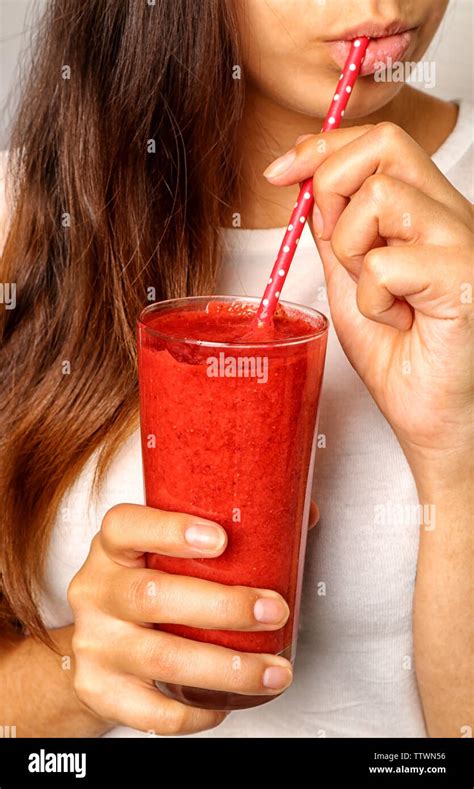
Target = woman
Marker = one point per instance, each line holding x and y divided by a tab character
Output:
140	154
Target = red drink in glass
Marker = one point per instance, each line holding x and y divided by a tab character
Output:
228	422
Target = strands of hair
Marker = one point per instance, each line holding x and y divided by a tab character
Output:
123	161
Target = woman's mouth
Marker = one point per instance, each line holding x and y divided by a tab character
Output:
382	50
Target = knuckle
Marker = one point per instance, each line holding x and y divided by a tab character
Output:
163	658
142	593
77	592
242	671
81	643
311	144
305	142
85	689
214	718
95	544
73	593
170	526
82	685
375	187
111	522
374	265
321	180
389	132
174	719
230	604
313	150
85	588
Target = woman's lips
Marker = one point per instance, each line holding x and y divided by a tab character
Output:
380	50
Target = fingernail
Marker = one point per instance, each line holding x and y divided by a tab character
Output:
318	222
205	536
280	165
270	610
277	677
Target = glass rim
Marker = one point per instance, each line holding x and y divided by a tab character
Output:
161	305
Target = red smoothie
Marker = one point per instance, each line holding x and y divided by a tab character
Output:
228	417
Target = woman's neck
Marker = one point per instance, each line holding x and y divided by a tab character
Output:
268	130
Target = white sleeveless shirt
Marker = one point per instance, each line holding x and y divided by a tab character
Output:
354	673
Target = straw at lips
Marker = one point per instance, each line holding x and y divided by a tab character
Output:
305	202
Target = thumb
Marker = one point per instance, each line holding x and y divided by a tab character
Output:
353	329
340	285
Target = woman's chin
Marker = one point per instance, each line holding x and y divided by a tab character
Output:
367	98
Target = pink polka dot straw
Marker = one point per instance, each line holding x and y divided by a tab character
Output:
305	201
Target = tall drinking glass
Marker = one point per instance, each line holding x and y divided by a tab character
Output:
228	425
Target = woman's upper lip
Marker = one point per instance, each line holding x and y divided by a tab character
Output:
373	30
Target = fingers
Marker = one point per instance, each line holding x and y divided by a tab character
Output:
419	276
375	298
131	702
385	208
131	530
386	150
181	661
388	239
309	153
342	160
152	596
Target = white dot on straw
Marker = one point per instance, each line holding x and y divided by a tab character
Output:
352	67
296	242
282	272
332	120
286	248
341	76
302	220
290	227
348	88
265	302
343	111
336	97
270	280
307	195
357	43
296	205
277	293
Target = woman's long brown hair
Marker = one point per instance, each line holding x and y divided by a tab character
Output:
101	223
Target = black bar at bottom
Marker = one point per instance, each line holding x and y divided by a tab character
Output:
152	760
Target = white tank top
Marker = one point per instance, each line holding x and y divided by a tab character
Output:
354	674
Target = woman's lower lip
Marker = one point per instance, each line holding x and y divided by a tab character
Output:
386	50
